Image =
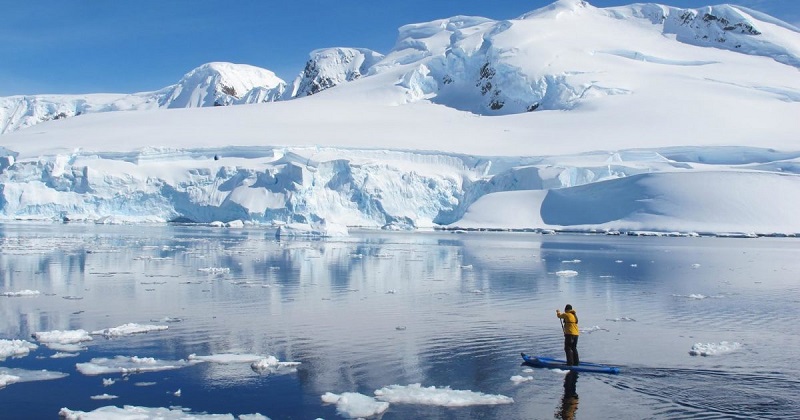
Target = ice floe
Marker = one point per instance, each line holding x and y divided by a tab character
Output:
444	397
621	319
10	376
103	397
130	412
592	329
215	270
125	364
714	349
63	355
66	341
21	293
259	363
129	329
697	296
566	273
518	379
354	405
15	348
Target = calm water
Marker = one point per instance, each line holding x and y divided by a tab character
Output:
439	309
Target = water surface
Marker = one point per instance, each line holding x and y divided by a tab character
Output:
376	309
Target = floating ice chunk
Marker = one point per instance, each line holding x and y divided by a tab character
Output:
592	329
323	229
177	393
65	348
518	379
10	376
622	319
129	329
271	364
6	380
108	381
466	267
62	340
354	405
130	412
15	348
21	293
124	364
695	265
571	261
63	355
235	224
444	397
566	273
215	270
103	397
714	349
167	319
697	296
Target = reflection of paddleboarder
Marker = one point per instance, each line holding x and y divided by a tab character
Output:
569	320
569	402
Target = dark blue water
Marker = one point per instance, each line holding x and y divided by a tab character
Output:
377	309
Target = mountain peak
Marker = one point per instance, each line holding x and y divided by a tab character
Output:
219	83
559	7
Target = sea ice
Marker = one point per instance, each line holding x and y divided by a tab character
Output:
103	397
444	397
10	376
130	412
129	329
124	364
354	405
714	349
566	273
518	379
21	293
66	340
15	348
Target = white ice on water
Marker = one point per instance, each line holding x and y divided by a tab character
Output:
15	348
130	412
354	405
438	396
68	340
126	365
129	329
21	293
10	376
714	349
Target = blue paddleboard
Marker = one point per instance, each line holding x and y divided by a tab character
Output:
546	362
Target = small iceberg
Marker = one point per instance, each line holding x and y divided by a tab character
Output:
321	229
714	349
354	405
129	329
15	348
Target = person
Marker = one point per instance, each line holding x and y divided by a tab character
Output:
569	323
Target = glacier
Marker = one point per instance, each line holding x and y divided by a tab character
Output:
575	118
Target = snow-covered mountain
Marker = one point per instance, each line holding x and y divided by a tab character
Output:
211	84
331	67
642	117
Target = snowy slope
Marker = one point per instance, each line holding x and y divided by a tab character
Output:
643	117
211	84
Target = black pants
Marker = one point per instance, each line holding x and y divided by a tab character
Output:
571	349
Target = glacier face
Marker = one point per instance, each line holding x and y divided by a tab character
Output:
378	188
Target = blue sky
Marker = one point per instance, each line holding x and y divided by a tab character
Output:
82	46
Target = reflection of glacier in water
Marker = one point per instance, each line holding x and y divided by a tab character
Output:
281	323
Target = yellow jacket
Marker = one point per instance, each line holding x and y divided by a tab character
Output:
570	322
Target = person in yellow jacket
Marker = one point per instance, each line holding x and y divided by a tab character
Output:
569	321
